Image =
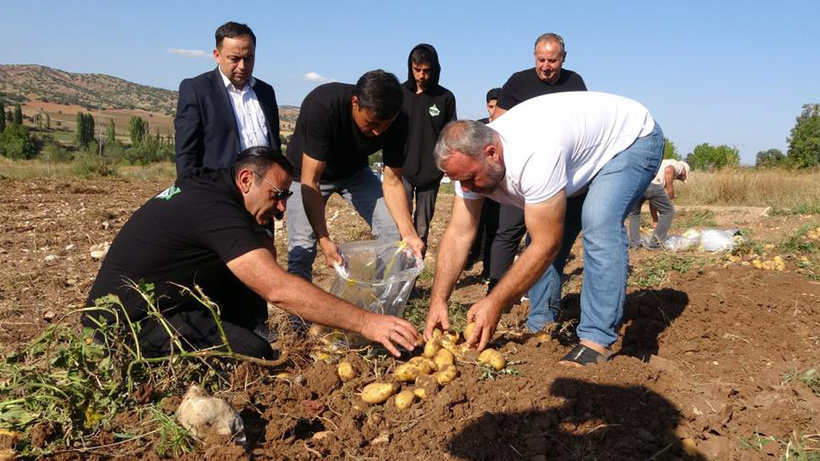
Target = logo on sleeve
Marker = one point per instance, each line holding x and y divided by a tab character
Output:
434	112
168	193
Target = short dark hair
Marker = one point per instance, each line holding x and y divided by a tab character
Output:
232	30
421	55
260	159
380	92
493	94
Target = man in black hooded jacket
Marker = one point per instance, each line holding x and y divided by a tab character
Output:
429	107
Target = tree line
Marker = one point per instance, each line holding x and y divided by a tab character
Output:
18	142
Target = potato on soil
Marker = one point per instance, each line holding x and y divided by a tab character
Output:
346	371
443	357
404	399
426	386
446	374
378	392
436	333
492	358
407	372
468	330
425	365
431	347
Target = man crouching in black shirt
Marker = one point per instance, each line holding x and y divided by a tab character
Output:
210	229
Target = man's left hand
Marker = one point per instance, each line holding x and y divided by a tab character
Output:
486	315
415	244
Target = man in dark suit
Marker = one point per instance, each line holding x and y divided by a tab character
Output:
225	111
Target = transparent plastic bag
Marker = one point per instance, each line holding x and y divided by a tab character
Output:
690	239
376	276
719	240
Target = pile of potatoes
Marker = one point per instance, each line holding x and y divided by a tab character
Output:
435	367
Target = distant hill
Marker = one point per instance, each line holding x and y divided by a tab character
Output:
24	83
61	94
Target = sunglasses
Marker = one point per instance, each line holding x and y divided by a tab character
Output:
279	194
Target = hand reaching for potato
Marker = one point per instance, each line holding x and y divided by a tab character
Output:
486	315
437	317
387	330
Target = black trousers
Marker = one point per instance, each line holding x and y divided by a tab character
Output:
511	229
425	206
198	330
487	230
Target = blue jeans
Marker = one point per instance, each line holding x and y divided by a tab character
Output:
599	214
363	191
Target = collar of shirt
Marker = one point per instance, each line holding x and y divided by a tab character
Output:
230	86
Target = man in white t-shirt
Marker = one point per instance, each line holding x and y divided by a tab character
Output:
575	162
659	194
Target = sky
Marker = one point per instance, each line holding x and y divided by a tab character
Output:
728	72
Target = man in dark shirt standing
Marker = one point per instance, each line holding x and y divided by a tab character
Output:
429	107
225	111
338	128
209	230
548	76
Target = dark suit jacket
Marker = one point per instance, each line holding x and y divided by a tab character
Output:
206	131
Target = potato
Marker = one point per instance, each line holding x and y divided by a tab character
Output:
452	337
436	333
406	372
426	386
431	347
443	357
431	363
446	374
404	399
346	371
448	345
378	392
493	358
468	330
423	364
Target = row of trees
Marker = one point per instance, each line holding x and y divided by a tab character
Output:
17	142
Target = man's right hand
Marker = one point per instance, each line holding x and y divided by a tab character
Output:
387	330
331	251
437	316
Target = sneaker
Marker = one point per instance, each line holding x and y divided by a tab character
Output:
265	333
525	298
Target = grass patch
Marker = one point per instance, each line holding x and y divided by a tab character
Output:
653	272
798	244
809	377
80	168
416	313
696	218
790	191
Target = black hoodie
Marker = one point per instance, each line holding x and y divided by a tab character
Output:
428	112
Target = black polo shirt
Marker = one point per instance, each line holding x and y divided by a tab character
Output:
325	131
525	84
186	235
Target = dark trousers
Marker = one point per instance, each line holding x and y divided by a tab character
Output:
487	229
425	206
197	329
656	195
511	230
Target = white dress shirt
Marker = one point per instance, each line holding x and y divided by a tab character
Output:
253	131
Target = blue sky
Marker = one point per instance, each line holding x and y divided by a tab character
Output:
732	72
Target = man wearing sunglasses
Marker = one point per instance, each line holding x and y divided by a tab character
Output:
210	231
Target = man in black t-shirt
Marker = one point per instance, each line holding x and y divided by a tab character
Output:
429	107
338	128
548	76
210	230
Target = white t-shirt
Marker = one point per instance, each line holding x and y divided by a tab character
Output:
660	178
561	141
253	131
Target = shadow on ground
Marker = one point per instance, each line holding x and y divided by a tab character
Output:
595	421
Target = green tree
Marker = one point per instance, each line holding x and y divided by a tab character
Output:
18	115
804	141
707	157
137	130
16	142
2	117
770	158
669	149
110	132
85	130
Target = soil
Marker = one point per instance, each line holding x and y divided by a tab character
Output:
704	355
